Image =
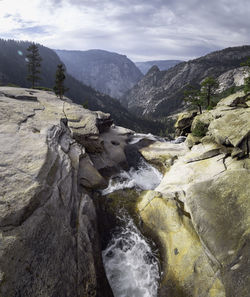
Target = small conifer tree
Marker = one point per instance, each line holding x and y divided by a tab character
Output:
208	88
59	87
193	97
33	63
247	79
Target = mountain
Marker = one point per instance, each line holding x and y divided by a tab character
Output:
160	93
109	73
13	70
161	64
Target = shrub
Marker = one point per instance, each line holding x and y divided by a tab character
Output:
43	89
13	85
200	129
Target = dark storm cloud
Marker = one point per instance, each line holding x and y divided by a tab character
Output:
157	29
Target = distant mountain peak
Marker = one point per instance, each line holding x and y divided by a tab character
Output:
162	64
153	69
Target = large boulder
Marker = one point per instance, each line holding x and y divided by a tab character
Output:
199	214
186	268
48	224
229	124
184	123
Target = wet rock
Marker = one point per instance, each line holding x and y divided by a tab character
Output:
163	154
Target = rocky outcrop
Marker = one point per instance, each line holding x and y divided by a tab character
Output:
109	73
48	224
231	78
160	93
184	122
54	153
199	214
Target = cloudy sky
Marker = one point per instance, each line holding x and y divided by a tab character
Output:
141	29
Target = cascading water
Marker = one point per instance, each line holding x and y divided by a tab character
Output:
131	267
130	264
146	177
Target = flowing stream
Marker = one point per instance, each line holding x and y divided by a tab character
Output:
146	177
131	266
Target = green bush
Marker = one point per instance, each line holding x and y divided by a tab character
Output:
200	129
13	85
43	89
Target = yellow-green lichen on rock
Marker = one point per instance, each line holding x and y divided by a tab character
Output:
163	154
199	214
186	268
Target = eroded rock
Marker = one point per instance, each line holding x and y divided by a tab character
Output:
48	227
199	214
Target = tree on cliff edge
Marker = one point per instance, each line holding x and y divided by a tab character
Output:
208	88
247	79
59	87
33	63
193	97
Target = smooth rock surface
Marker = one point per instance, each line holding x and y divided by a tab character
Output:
49	244
199	214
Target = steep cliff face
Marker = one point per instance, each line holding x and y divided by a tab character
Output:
231	78
13	69
48	224
199	214
109	73
160	92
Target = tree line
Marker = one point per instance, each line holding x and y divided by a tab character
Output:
34	60
202	97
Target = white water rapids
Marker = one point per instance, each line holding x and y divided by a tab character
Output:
145	178
131	266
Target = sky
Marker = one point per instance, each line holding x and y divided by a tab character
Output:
140	29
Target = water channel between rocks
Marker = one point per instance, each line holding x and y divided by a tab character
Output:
131	265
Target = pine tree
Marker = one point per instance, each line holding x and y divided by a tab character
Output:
193	97
59	87
33	63
208	88
247	79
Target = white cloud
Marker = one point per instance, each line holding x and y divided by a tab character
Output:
141	29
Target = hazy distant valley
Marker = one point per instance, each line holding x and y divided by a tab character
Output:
139	102
109	73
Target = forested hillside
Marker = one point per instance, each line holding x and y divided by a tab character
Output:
13	70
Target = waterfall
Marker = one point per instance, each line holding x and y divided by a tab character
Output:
131	266
146	177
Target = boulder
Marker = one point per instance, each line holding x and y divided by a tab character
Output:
112	157
199	217
163	154
186	268
184	122
229	123
48	225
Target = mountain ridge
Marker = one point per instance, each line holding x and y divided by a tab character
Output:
160	93
108	72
